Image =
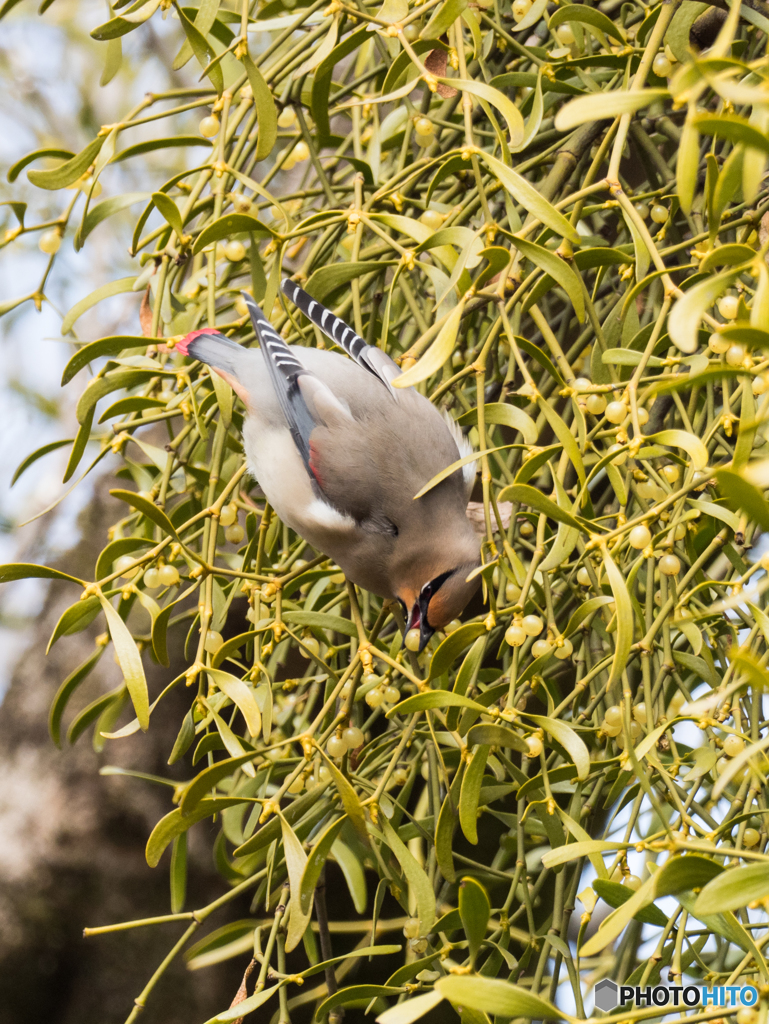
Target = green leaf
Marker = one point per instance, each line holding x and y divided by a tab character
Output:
322	85
71	170
504	415
169	210
247	1006
475	911
575	851
736	129
354	994
412	1009
692	445
38	154
94	711
65	691
350	801
586	609
616	894
130	662
266	111
38	454
352	869
686	314
147	508
450	648
743	494
528	495
25	571
416	877
586	16
203	50
601	105
433	699
321	620
120	26
497	99
496	997
315	861
229	224
470	794
178	877
103	347
271	830
174	823
687	164
443	18
558	269
242	695
624	634
123	284
296	862
529	198
326	280
564	734
106	209
75	619
437	354
734	889
497	736
173	142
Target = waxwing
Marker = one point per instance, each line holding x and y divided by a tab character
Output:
340	454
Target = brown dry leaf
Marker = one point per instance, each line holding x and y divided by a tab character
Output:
436	62
145	314
474	513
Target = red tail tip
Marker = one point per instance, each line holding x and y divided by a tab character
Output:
183	345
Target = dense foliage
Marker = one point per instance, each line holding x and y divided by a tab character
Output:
551	217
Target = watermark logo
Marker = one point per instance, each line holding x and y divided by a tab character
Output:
609	995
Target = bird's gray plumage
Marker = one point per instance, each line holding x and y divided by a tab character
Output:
340	454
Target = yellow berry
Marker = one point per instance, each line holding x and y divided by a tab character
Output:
616	412
50	241
583	577
411	31
526	528
632	882
596	405
750	837
735	354
534	743
374	698
432	219
661	66
564	651
759	385
515	635
733	745
532	625
234	534
540	648
728	306
640	537
424	126
611	728
213	641
391	695
301	151
122	564
614	715
400	777
521	9
169	575
565	35
671	473
235	251
297	785
659	213
642	209
639	713
411	928
336	746
152	579
229	514
643	415
512	592
621	457
412	640
286	117
353	737
452	626
718	344
209	126
310	647
670	565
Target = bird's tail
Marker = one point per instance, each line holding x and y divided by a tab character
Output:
214	349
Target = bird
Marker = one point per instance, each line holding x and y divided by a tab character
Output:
340	455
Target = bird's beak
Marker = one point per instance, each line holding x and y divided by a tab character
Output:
418	620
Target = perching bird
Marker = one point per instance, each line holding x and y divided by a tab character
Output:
340	454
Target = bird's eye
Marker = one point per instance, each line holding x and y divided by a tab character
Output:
435	585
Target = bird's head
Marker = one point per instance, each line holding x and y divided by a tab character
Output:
439	600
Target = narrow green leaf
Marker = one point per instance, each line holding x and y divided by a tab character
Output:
71	170
147	508
130	662
496	997
571	742
412	1009
623	638
470	793
475	911
416	877
598	106
528	495
531	200
437	354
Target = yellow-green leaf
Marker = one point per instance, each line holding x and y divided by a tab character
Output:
130	662
437	354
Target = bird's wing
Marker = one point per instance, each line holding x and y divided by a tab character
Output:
367	356
305	400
